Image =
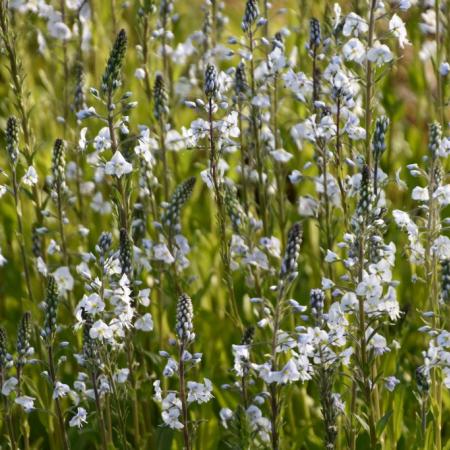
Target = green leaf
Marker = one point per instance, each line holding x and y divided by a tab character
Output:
381	425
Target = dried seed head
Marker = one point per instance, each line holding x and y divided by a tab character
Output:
165	8
12	139
250	15
104	242
314	33
90	349
185	314
3	348
248	335
423	379
36	242
365	195
207	31
292	252
59	164
171	216
110	79
160	108
241	86
23	339
51	305
234	208
317	301
434	139
379	136
445	280
126	254
79	99
211	86
138	223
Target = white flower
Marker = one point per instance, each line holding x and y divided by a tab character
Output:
419	193
121	375
370	287
93	304
59	30
26	402
281	155
198	392
9	385
225	415
103	139
241	358
3	190
143	297
442	193
2	259
398	29
79	419
404	4
162	253
118	165
63	279
139	73
441	247
307	206
355	25
30	178
144	323
170	417
331	257
261	101
171	406
390	383
171	368
354	50
100	330
287	374
157	390
61	390
298	83
379	54
98	141
377	342
444	69
327	283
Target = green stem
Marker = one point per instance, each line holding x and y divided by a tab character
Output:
184	409
59	414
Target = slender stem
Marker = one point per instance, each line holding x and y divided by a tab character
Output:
274	400
129	349
98	406
7	414
440	90
244	181
184	409
340	171
433	292
363	344
224	246
162	143
62	428
279	172
20	235
262	191
61	223
66	71
17	77
369	81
